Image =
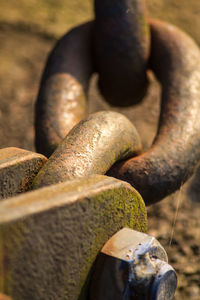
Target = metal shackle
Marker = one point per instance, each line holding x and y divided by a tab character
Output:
61	101
175	60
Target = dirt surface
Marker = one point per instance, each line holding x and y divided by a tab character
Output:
28	30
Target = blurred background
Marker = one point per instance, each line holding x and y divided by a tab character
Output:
28	31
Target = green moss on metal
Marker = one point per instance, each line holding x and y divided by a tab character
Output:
119	213
9	247
86	212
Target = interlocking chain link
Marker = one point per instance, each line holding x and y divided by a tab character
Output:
174	58
91	147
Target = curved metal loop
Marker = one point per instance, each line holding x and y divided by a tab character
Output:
91	147
61	102
121	48
175	59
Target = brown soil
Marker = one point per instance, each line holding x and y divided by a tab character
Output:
27	33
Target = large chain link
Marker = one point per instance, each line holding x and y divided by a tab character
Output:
116	45
91	147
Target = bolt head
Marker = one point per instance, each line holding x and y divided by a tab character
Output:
164	284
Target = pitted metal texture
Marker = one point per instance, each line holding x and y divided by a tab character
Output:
171	160
91	147
132	266
93	47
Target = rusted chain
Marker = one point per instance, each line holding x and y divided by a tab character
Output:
121	47
91	147
61	102
175	59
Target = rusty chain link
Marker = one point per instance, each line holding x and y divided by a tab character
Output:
175	59
61	102
116	45
91	147
121	49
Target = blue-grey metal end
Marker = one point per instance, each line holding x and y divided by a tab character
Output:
165	282
132	266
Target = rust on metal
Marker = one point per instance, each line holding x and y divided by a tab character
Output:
61	102
175	60
116	45
50	237
121	47
91	147
18	168
88	48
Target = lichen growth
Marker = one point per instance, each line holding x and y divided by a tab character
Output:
12	236
87	213
116	214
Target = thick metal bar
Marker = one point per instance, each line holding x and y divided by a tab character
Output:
49	238
91	147
175	59
61	101
18	168
121	47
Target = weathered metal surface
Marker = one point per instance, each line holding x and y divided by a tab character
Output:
49	238
175	59
18	167
91	147
132	265
61	101
108	47
121	47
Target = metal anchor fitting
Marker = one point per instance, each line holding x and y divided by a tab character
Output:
132	266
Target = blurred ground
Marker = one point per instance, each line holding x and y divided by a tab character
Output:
28	30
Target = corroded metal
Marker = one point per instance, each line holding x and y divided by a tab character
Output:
116	45
18	167
132	266
50	237
91	147
61	102
175	59
121	47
